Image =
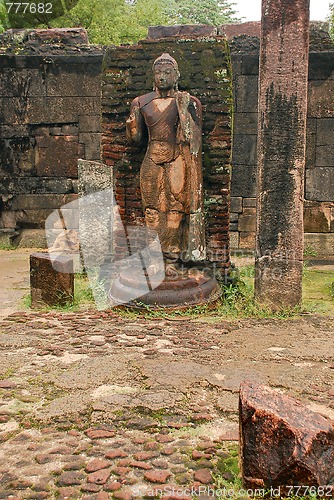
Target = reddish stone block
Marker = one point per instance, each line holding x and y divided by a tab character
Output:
117	453
99	477
97	464
99	433
204	476
49	286
57	156
157	476
281	441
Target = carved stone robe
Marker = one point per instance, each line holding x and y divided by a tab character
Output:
171	173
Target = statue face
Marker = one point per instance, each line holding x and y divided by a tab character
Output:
165	76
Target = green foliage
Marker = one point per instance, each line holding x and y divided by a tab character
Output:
4	21
228	478
3	244
331	20
32	13
114	21
332	289
309	251
213	12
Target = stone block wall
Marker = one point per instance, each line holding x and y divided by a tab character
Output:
205	73
319	178
49	117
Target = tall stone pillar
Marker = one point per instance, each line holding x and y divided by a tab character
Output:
281	151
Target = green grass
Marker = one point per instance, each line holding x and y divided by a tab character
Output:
4	245
228	484
237	301
318	291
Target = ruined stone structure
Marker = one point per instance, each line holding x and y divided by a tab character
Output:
49	117
281	152
50	107
204	69
319	190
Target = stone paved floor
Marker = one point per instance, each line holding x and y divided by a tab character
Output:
97	406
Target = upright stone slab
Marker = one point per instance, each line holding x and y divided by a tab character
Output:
281	151
51	280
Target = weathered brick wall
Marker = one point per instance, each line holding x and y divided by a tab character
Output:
49	117
319	182
204	67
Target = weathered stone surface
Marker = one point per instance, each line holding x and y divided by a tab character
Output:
245	123
99	477
321	98
324	156
244	149
317	217
234	239
247	98
252	28
247	220
32	238
49	286
243	180
37	201
249	202
89	123
25	185
97	464
92	145
78	80
322	243
320	184
282	442
157	476
196	30
204	476
236	204
96	211
66	36
281	152
57	156
247	240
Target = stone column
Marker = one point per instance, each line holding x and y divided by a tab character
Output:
281	151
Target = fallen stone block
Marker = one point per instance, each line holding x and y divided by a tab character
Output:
50	284
283	443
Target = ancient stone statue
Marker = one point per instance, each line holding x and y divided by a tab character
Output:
171	172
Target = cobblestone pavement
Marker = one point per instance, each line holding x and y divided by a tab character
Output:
97	406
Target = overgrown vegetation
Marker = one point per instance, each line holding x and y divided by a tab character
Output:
237	300
124	21
331	20
6	246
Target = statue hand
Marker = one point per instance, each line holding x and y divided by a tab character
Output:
183	100
133	125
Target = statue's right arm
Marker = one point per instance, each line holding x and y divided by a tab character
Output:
135	123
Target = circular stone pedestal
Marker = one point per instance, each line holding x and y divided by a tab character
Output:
174	292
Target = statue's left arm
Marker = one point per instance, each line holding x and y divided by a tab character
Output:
190	113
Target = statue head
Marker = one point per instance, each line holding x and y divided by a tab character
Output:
165	72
